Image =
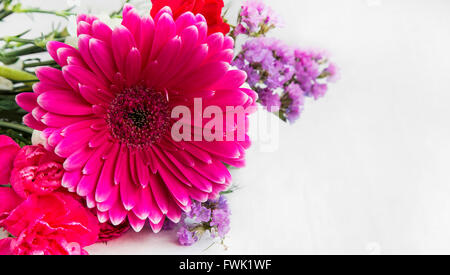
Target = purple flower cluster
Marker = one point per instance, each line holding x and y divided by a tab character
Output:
255	19
283	76
212	216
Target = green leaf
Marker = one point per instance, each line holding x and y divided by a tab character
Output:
21	138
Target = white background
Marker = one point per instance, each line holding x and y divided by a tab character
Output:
366	169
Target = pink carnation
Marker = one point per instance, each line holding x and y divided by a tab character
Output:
8	152
53	224
9	200
108	113
36	171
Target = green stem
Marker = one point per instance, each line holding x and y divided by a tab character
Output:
18	127
63	14
4	14
38	64
32	49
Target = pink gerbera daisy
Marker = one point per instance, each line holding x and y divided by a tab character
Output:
108	113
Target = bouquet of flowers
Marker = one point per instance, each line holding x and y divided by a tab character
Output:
138	123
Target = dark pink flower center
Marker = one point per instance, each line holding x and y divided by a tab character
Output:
139	117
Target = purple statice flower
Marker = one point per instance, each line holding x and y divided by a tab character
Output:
314	72
256	18
221	222
270	100
278	72
333	72
199	213
186	237
267	62
212	216
293	102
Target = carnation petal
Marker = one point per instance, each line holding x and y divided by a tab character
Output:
9	200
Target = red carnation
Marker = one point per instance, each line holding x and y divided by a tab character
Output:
210	9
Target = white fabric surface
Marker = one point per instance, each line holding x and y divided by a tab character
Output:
365	170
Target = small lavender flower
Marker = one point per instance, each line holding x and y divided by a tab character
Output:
221	222
283	76
186	237
293	102
212	216
269	99
199	213
255	19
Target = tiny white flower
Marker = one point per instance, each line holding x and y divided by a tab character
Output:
6	84
37	138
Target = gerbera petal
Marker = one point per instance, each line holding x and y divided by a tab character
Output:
72	142
132	21
164	31
232	79
185	20
112	199
75	75
56	121
160	193
71	179
174	212
87	184
103	56
133	67
52	77
197	80
197	57
215	43
31	122
77	160
195	179
101	31
73	104
136	223
122	42
117	214
27	101
156	227
84	28
60	52
106	181
103	217
129	191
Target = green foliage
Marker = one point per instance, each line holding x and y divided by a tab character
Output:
22	139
